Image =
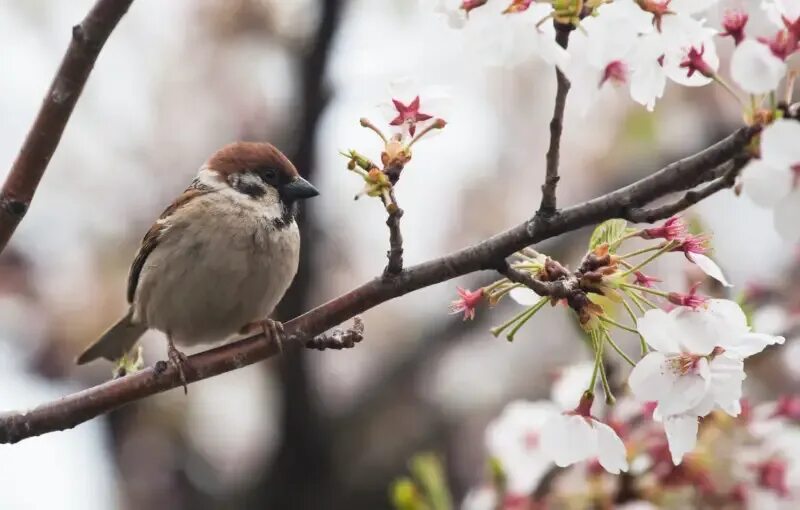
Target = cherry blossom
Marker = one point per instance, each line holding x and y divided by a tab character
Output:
514	440
772	180
673	229
510	39
696	366
412	107
734	22
467	302
575	436
755	68
695	247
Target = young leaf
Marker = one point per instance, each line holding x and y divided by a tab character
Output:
610	232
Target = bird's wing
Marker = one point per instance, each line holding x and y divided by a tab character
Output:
154	235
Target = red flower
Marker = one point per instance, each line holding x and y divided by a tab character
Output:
672	229
409	114
658	8
467	303
734	22
694	62
693	300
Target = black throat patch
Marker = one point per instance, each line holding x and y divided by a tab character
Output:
286	219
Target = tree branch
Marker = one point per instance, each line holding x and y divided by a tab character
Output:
88	39
486	255
549	201
727	172
395	253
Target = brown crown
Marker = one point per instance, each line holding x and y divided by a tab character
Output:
239	156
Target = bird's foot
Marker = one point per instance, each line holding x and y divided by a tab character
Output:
178	360
272	329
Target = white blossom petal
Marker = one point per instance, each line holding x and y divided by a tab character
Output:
659	331
570	385
727	375
742	346
787	216
709	267
568	439
730	315
698	330
765	183
651	379
690	6
524	296
681	435
610	449
688	390
755	68
779	145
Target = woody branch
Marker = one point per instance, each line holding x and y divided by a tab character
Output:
490	254
40	144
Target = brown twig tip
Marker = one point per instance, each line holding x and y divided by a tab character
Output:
44	135
549	202
339	338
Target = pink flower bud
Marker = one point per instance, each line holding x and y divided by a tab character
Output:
694	62
616	72
693	300
468	5
734	22
788	406
467	303
782	44
644	280
518	6
771	475
672	229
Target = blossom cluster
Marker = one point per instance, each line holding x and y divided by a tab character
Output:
639	44
691	364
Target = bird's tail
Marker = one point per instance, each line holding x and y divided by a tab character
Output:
115	342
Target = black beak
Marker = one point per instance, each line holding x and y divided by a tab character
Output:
298	189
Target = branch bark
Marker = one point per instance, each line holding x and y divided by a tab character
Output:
486	255
549	200
40	144
395	253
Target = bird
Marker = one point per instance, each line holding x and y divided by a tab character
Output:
218	260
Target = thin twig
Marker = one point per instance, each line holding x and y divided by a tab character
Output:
339	338
395	253
40	144
729	171
549	200
77	408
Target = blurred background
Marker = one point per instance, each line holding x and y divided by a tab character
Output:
311	430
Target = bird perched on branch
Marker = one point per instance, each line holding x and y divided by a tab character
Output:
219	259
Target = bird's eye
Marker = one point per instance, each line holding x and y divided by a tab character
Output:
269	174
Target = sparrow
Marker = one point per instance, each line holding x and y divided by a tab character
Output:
218	259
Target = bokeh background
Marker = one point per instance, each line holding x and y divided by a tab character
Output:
311	430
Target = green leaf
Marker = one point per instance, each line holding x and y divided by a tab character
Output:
405	495
611	232
428	470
